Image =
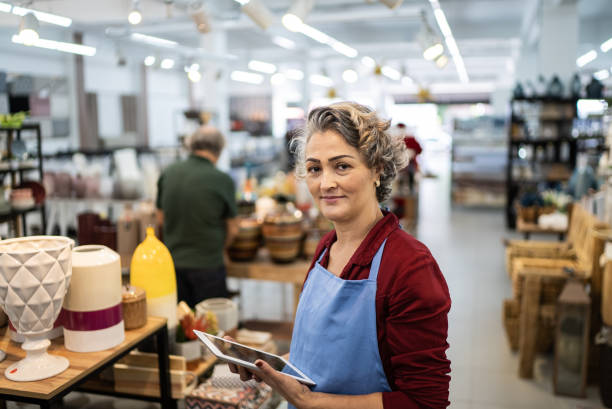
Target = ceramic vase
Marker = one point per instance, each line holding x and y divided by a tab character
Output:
93	317
35	273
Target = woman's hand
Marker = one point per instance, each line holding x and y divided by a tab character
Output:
296	393
245	374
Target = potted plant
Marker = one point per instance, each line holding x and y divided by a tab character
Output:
187	344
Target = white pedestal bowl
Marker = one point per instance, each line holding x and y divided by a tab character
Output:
34	276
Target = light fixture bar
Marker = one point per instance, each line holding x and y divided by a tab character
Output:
451	44
283	42
606	46
5	7
586	58
157	41
59	46
295	75
602	75
321	80
41	16
323	38
391	73
261	66
368	61
248	77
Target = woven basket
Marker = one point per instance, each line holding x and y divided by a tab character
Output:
546	325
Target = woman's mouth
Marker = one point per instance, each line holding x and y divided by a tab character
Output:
331	199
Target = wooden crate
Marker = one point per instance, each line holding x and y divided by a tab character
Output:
138	373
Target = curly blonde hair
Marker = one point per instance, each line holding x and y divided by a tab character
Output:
362	129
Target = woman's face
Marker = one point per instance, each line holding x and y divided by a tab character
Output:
339	180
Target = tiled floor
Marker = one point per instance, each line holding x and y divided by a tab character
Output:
467	244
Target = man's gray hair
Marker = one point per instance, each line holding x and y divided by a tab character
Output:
207	138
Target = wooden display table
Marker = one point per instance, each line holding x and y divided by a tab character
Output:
528	228
265	269
48	392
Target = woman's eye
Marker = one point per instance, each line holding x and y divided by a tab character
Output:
343	166
313	169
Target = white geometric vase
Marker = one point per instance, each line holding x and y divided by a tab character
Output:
34	276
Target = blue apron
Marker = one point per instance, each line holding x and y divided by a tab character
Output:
334	339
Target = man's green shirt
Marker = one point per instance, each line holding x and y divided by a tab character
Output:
197	199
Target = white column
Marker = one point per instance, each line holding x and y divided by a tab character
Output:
213	88
558	44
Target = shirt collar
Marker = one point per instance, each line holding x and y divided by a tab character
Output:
369	246
200	158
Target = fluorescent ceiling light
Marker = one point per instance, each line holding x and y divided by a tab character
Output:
606	46
391	73
323	38
261	66
5	7
292	22
277	79
350	76
344	49
297	13
249	77
283	42
449	39
167	63
149	60
586	58
157	41
321	80
60	46
602	75
294	74
243	2
368	61
41	16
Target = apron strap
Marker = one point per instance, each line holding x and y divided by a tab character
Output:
321	256
376	262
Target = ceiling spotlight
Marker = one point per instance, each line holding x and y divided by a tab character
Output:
297	13
248	77
441	61
368	61
391	73
258	12
432	46
28	29
149	60
135	17
278	79
392	3
350	76
200	18
194	75
167	63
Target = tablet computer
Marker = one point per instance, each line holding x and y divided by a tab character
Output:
245	356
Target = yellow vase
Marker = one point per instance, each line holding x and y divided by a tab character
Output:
153	270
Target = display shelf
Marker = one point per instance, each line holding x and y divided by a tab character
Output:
18	212
529	121
528	228
18	169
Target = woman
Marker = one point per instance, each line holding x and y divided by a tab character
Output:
371	324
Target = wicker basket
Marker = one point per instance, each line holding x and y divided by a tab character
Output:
546	325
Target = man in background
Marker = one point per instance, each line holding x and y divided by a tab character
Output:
197	206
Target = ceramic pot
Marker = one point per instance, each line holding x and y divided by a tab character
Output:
93	320
224	309
134	303
282	231
152	269
63	184
246	243
35	273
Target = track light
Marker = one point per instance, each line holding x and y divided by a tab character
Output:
441	61
258	12
350	76
390	73
167	63
28	29
135	17
297	13
149	60
59	46
432	46
200	18
392	3
261	66
194	75
248	77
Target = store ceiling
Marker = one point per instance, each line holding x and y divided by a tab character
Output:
488	32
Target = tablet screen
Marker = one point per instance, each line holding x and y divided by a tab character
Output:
246	354
250	355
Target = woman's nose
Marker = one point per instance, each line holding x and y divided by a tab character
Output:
328	180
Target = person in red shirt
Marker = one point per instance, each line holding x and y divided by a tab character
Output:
415	149
371	324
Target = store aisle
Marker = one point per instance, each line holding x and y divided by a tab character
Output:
467	243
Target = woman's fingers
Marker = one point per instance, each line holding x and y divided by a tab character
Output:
245	375
233	368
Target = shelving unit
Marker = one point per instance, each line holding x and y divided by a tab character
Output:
541	149
17	173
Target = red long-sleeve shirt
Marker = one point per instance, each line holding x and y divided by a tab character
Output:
412	303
